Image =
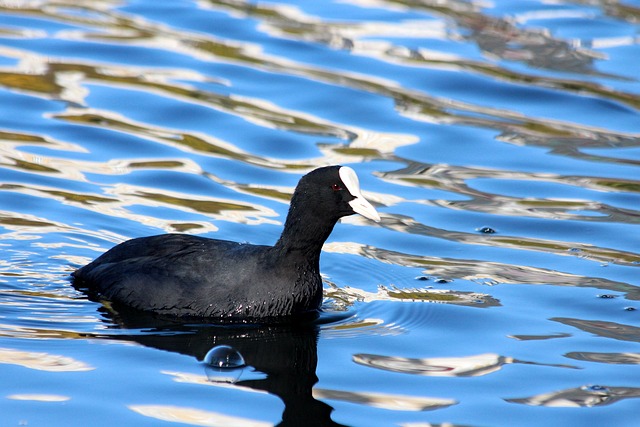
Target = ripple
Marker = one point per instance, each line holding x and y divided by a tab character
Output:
496	273
386	401
42	361
358	326
384	315
467	366
586	396
604	329
194	416
459	179
39	397
460	118
351	295
611	358
540	337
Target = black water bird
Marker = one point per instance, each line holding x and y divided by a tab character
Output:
190	276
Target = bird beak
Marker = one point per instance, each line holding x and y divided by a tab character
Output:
363	207
359	204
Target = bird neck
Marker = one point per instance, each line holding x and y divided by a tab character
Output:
305	232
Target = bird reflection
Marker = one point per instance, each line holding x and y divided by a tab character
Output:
285	354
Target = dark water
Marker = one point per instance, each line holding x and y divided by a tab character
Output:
500	142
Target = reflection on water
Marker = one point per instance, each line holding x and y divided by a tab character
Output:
194	416
470	366
285	355
39	397
493	273
583	396
604	329
346	296
123	119
539	337
42	361
386	401
615	358
455	180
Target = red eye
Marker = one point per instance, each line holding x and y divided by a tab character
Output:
336	187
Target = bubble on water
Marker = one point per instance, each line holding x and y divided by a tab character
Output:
224	357
486	230
224	364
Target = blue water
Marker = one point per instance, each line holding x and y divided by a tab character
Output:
500	142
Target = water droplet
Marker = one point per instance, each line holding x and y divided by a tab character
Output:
224	357
486	230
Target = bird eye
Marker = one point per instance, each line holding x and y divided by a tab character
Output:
336	187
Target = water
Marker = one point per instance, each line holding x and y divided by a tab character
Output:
499	140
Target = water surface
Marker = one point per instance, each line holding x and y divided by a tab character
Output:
500	141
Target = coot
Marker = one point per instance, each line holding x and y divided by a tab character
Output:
190	276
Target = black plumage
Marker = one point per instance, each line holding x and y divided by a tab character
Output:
190	276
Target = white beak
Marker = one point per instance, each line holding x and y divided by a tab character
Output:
359	204
363	207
